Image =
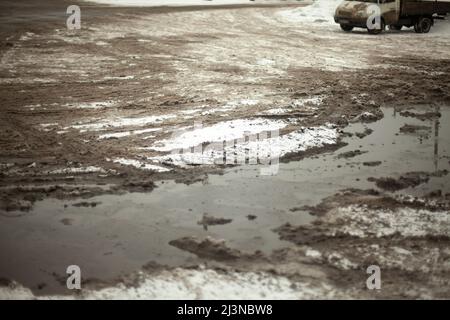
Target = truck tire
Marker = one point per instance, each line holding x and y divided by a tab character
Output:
423	25
378	31
346	27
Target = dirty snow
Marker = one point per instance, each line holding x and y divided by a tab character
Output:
122	134
362	222
268	148
156	3
319	12
140	165
121	122
89	169
199	284
222	131
91	105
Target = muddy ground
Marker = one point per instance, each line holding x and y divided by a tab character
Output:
81	108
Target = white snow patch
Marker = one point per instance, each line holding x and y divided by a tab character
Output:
319	12
311	101
199	284
313	254
6	165
89	169
254	151
362	222
46	125
121	122
119	78
222	131
157	3
126	133
277	111
340	262
91	105
231	106
140	165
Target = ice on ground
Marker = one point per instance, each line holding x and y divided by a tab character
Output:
198	284
140	165
264	149
222	131
121	122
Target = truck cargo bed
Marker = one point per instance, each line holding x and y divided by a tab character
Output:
427	7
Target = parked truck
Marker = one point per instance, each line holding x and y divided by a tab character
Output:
396	14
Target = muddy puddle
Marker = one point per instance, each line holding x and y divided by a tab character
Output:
112	235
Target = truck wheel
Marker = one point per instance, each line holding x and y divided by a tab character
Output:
417	27
346	27
378	31
426	24
395	27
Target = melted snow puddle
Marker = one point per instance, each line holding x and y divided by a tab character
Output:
127	231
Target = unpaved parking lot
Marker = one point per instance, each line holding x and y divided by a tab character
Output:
91	170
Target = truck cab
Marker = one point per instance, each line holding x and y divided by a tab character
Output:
375	15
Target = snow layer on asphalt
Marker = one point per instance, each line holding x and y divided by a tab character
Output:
198	284
157	3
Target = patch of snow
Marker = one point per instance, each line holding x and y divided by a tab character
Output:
6	165
157	3
46	125
89	169
119	78
91	105
126	133
255	151
311	101
363	222
231	106
182	284
313	254
140	165
276	111
319	12
27	36
121	122
340	262
222	131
